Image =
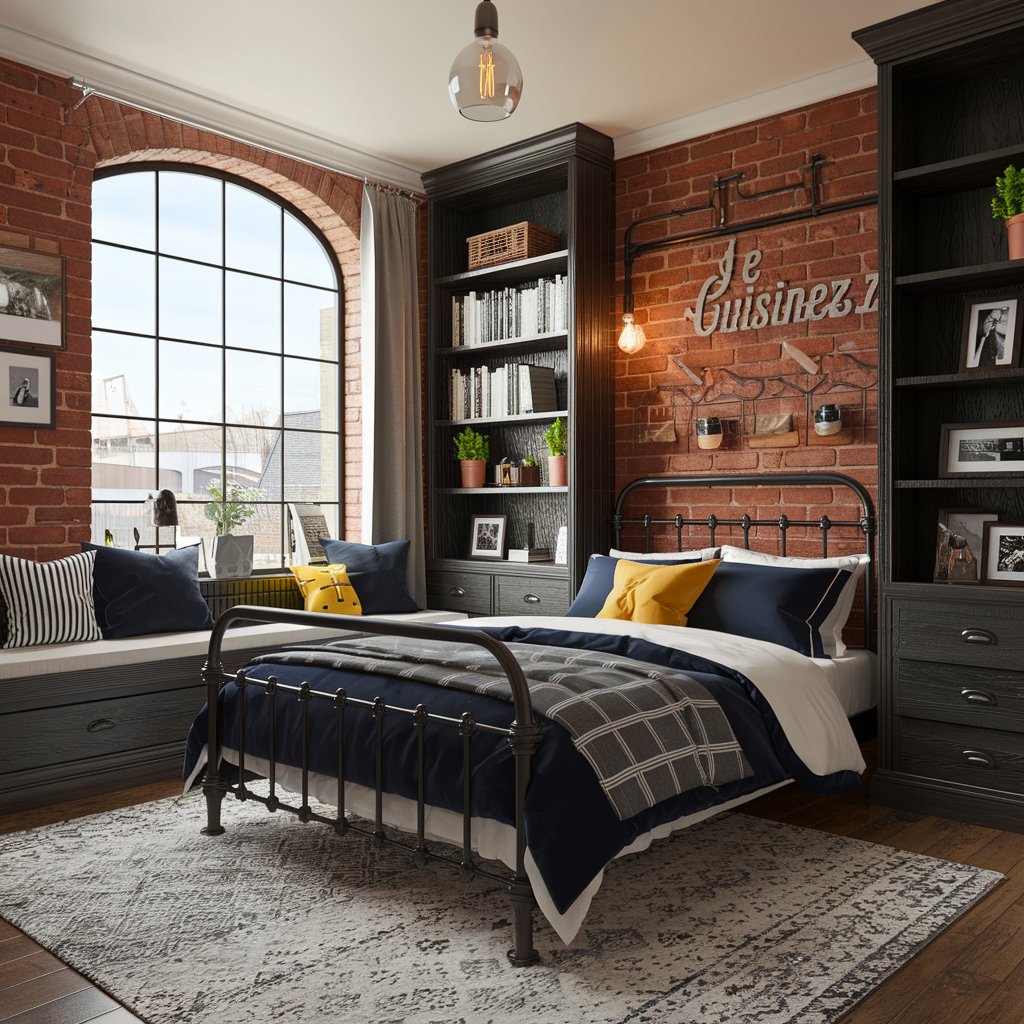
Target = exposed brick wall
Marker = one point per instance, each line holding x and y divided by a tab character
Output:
666	282
50	145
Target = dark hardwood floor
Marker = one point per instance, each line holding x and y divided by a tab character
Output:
973	973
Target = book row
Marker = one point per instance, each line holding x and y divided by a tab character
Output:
522	311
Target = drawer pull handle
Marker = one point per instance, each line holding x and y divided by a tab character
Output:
979	636
977	697
531	598
980	758
456	592
100	725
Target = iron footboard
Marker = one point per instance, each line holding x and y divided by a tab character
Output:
523	736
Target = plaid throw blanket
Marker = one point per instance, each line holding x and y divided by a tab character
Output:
648	733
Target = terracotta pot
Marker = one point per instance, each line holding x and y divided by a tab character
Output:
1015	236
558	474
474	472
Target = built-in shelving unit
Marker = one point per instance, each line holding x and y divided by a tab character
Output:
951	710
561	181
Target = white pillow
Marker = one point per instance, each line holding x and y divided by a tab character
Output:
48	602
832	628
666	556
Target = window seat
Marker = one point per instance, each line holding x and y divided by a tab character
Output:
83	718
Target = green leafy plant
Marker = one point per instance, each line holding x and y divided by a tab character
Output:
529	461
1009	200
226	509
471	445
556	437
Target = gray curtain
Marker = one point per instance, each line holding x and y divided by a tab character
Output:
392	449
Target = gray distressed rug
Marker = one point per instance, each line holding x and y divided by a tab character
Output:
733	921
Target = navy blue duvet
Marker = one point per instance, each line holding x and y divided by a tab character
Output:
572	830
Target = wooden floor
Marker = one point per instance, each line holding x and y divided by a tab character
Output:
973	973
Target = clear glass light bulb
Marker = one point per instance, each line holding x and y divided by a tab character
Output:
632	338
485	81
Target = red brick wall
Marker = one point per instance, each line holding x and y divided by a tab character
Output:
840	245
49	148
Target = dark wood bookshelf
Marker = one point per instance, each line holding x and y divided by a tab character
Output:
973	171
958	483
497	492
989	275
516	272
534	343
964	379
528	417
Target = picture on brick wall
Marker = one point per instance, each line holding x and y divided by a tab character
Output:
28	396
31	298
991	334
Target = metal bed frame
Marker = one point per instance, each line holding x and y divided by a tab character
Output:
524	734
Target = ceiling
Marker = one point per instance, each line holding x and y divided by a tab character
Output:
362	86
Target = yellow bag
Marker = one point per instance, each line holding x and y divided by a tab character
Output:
327	588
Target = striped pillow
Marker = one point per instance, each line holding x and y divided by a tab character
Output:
48	602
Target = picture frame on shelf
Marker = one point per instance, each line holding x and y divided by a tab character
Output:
1002	560
959	543
487	536
981	449
28	397
992	330
31	299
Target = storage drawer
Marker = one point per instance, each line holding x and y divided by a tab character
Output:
960	694
530	595
990	635
460	592
79	731
957	753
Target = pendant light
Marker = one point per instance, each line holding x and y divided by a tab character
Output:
485	81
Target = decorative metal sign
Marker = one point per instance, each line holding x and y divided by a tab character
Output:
772	307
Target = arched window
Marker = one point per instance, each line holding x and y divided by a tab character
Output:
216	339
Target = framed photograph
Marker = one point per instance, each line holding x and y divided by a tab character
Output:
991	334
31	298
28	396
487	537
971	449
1002	559
958	545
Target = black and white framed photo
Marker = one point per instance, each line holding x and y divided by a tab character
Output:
958	545
981	449
487	537
31	298
1003	554
991	334
28	395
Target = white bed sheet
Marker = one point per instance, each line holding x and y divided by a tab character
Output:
853	678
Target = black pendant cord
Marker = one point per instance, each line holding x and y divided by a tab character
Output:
718	201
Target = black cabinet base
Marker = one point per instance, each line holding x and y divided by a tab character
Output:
948	800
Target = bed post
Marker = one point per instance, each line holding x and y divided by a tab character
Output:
214	786
524	740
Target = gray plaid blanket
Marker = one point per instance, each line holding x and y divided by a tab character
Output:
648	733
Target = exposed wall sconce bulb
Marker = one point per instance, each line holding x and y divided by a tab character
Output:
632	338
485	81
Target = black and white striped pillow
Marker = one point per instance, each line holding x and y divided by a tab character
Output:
48	602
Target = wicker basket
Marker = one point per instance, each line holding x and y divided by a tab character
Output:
516	242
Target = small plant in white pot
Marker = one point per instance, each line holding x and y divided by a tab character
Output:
472	450
1008	204
232	554
556	437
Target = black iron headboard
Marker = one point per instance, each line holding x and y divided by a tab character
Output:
865	524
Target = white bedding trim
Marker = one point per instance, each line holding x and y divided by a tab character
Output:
492	840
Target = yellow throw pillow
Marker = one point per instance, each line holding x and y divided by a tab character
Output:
660	595
327	588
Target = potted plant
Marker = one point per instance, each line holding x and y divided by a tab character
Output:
529	472
1008	203
556	438
472	450
232	555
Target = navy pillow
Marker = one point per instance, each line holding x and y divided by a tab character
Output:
136	592
379	573
765	602
600	579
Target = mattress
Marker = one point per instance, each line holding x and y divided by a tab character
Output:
853	678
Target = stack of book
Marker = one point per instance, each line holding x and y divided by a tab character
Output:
529	554
507	314
513	389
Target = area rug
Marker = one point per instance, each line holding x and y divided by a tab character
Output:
735	920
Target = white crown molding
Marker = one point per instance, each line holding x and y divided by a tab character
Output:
151	94
791	96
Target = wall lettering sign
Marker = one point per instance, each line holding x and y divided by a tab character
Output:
772	307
